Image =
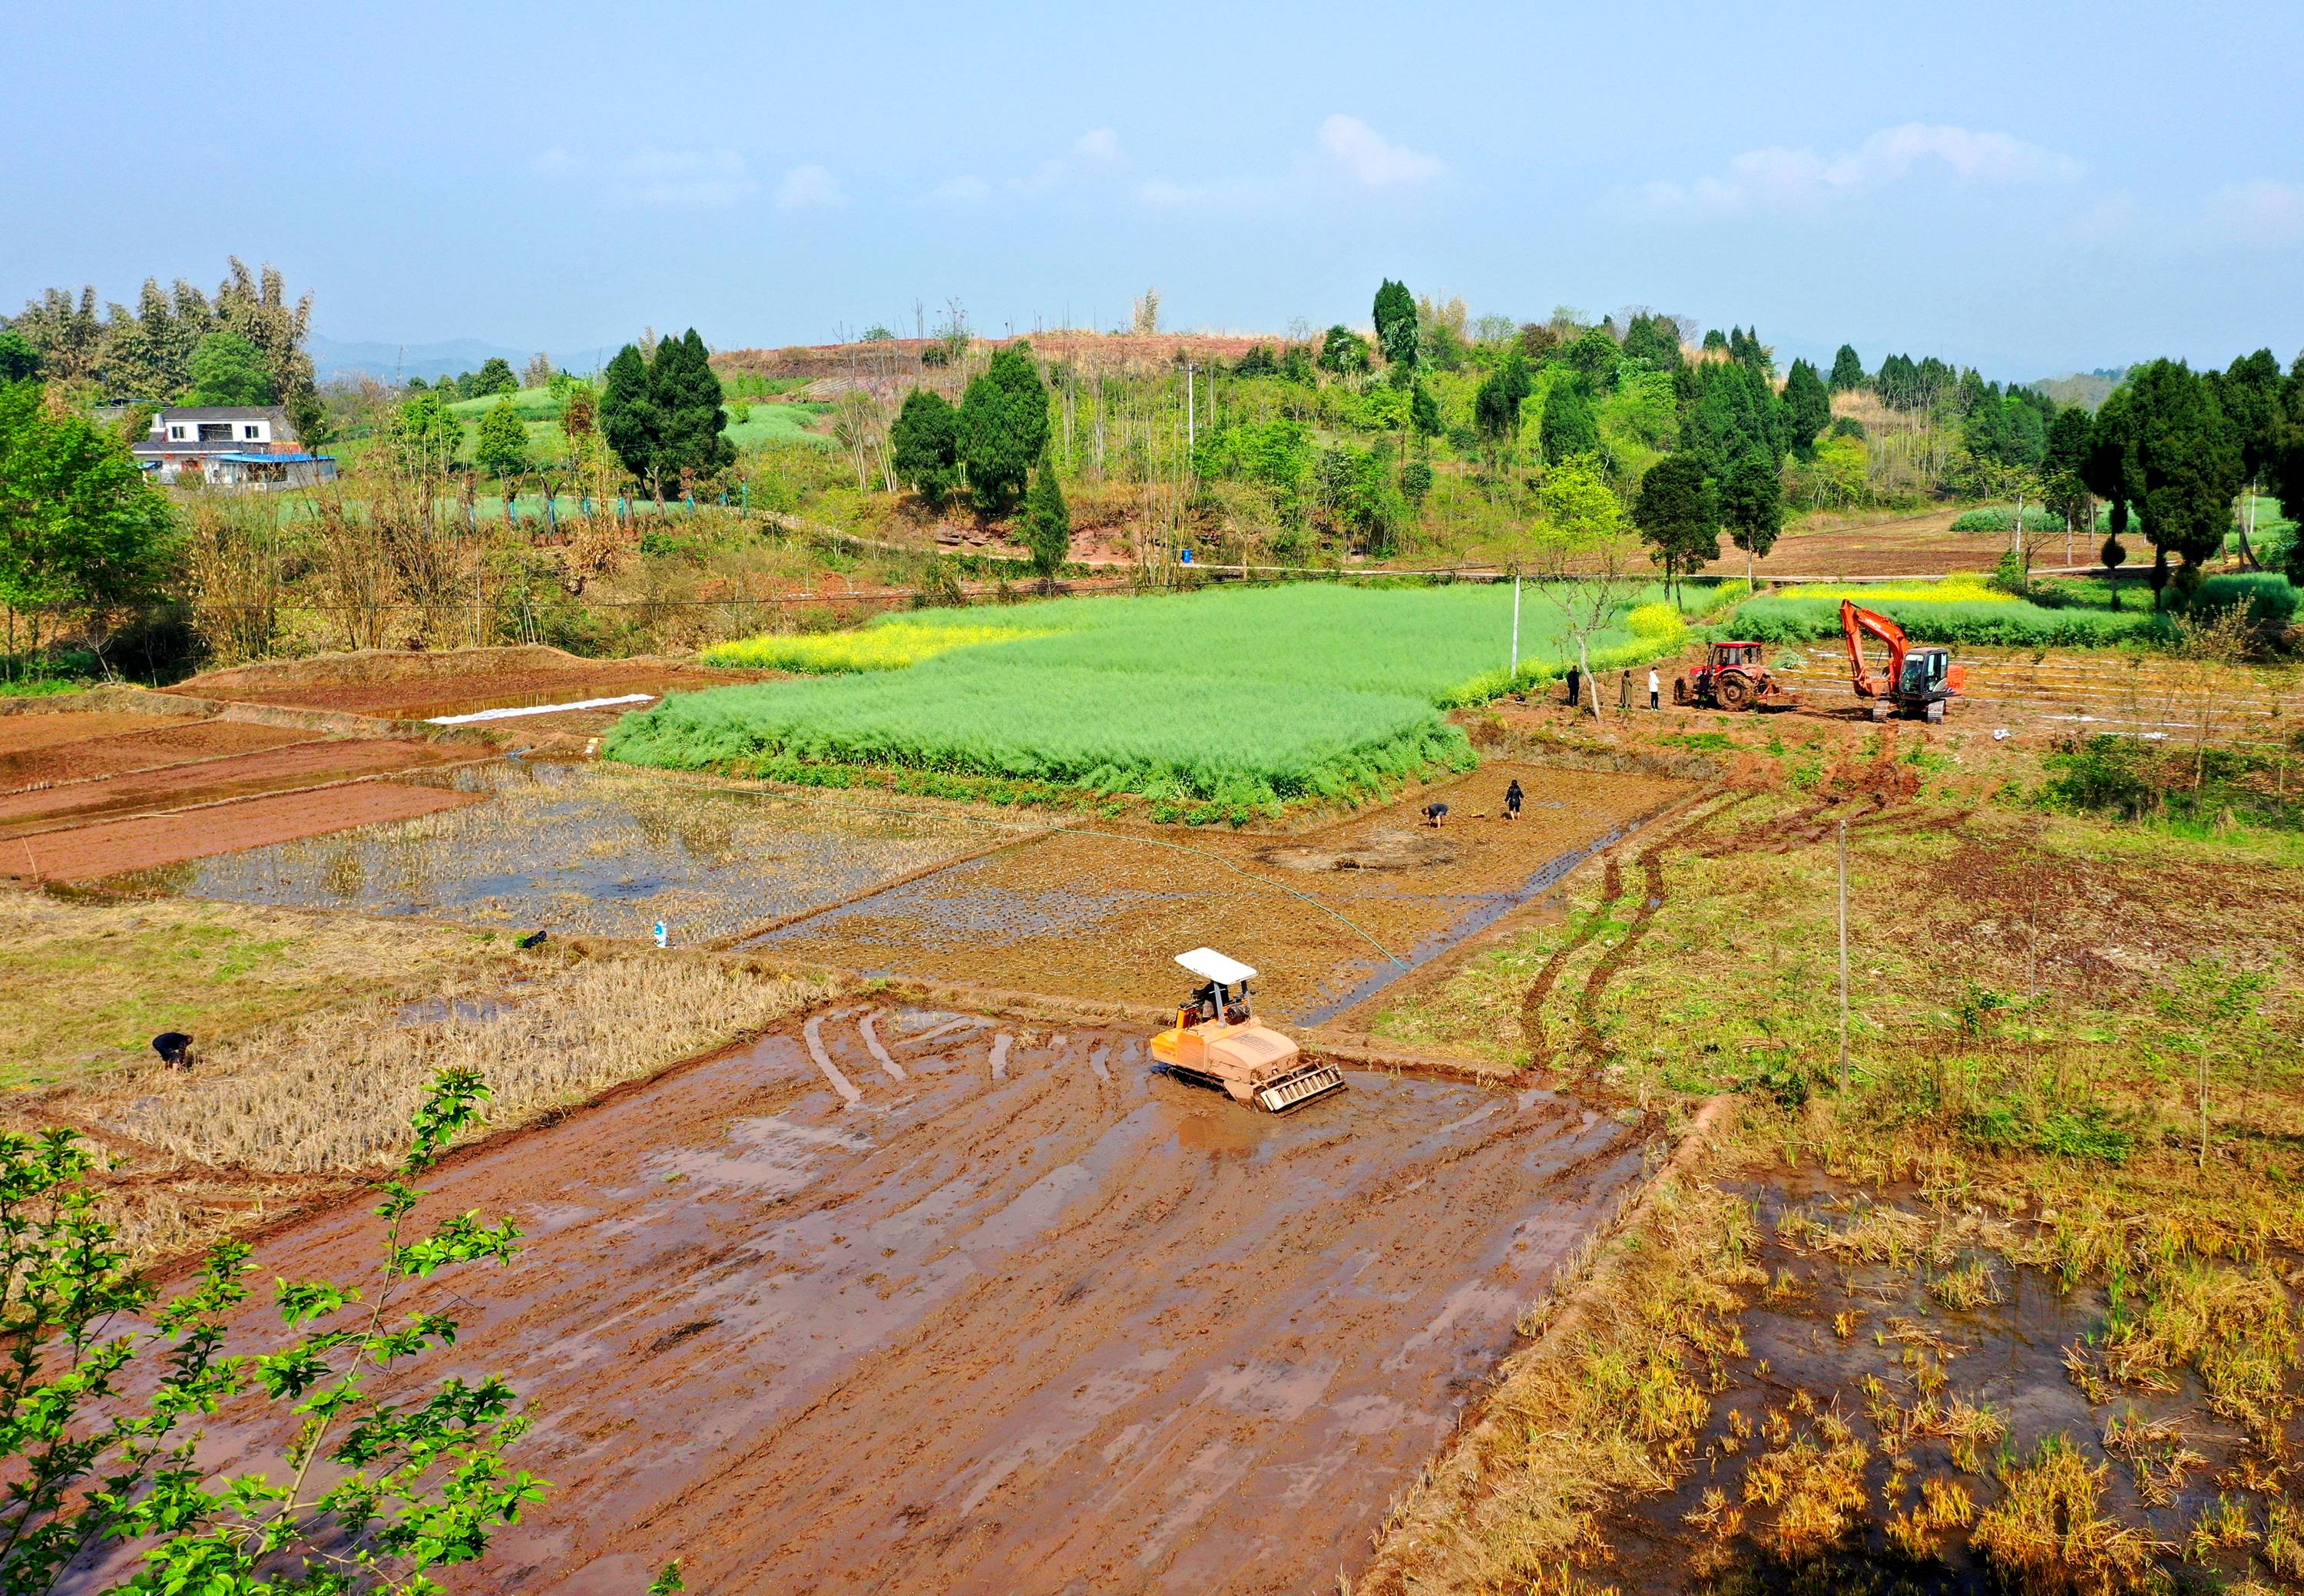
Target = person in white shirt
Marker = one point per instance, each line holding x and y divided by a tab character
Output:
1655	688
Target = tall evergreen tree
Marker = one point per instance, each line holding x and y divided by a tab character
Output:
2188	454
1395	325
687	395
2250	393
1003	427
1048	522
1495	405
629	421
1847	370
1654	341
925	443
1807	408
1678	512
1569	426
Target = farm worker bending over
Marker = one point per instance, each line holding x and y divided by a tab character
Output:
1434	813
1655	686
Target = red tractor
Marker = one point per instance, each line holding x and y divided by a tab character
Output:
1732	677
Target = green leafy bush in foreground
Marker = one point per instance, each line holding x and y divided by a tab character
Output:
1246	697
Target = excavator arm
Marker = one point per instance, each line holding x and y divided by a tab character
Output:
1855	621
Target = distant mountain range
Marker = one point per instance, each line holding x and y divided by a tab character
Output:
336	358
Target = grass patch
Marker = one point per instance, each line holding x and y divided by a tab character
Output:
1247	699
89	985
889	646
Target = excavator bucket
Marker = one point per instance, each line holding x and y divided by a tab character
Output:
1299	1087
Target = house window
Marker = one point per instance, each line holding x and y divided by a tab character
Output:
176	432
216	432
251	432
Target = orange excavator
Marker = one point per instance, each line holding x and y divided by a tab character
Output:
1918	681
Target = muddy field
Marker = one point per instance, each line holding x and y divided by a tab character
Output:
1330	916
213	780
151	841
902	1300
85	746
582	848
1902	546
425	686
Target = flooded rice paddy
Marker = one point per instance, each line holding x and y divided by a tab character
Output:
585	849
899	1299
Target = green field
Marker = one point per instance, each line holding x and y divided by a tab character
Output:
540	409
1244	699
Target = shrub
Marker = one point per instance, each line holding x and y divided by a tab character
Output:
1982	622
2001	518
2270	599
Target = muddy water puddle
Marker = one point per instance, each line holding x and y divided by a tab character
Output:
1862	1399
580	848
896	1299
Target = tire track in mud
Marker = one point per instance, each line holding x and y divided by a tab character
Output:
1075	1330
1531	1007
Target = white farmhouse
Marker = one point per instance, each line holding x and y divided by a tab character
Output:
230	446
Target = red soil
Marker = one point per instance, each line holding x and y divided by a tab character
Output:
422	699
110	847
210	781
157	742
31	729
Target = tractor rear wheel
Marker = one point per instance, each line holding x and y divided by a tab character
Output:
1679	692
1734	690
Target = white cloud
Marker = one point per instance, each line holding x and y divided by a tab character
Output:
1370	158
1097	148
2263	211
2110	218
1097	144
1168	193
967	189
807	186
1777	178
680	179
555	162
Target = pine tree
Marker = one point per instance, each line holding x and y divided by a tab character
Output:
1569	428
1847	370
687	393
926	442
1048	524
1807	408
1395	324
1003	427
629	421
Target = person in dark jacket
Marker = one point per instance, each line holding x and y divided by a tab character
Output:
1434	813
1512	796
1575	682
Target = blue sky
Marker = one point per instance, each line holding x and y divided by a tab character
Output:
2030	188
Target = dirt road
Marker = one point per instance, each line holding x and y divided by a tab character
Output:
1027	1319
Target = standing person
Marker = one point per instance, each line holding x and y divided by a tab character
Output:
1624	690
1654	687
1511	800
1575	681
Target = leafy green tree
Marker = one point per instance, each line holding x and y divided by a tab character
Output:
501	449
1595	356
424	433
1259	361
1048	522
18	361
227	369
1847	370
629	421
1343	352
1395	324
2248	392
81	531
1416	481
308	418
1752	506
1587	560
388	1483
2188	456
926	442
1003	427
1736	412
1807	408
2114	557
1678	513
1569	428
495	376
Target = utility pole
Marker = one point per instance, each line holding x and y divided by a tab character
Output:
1192	434
1515	676
1844	958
